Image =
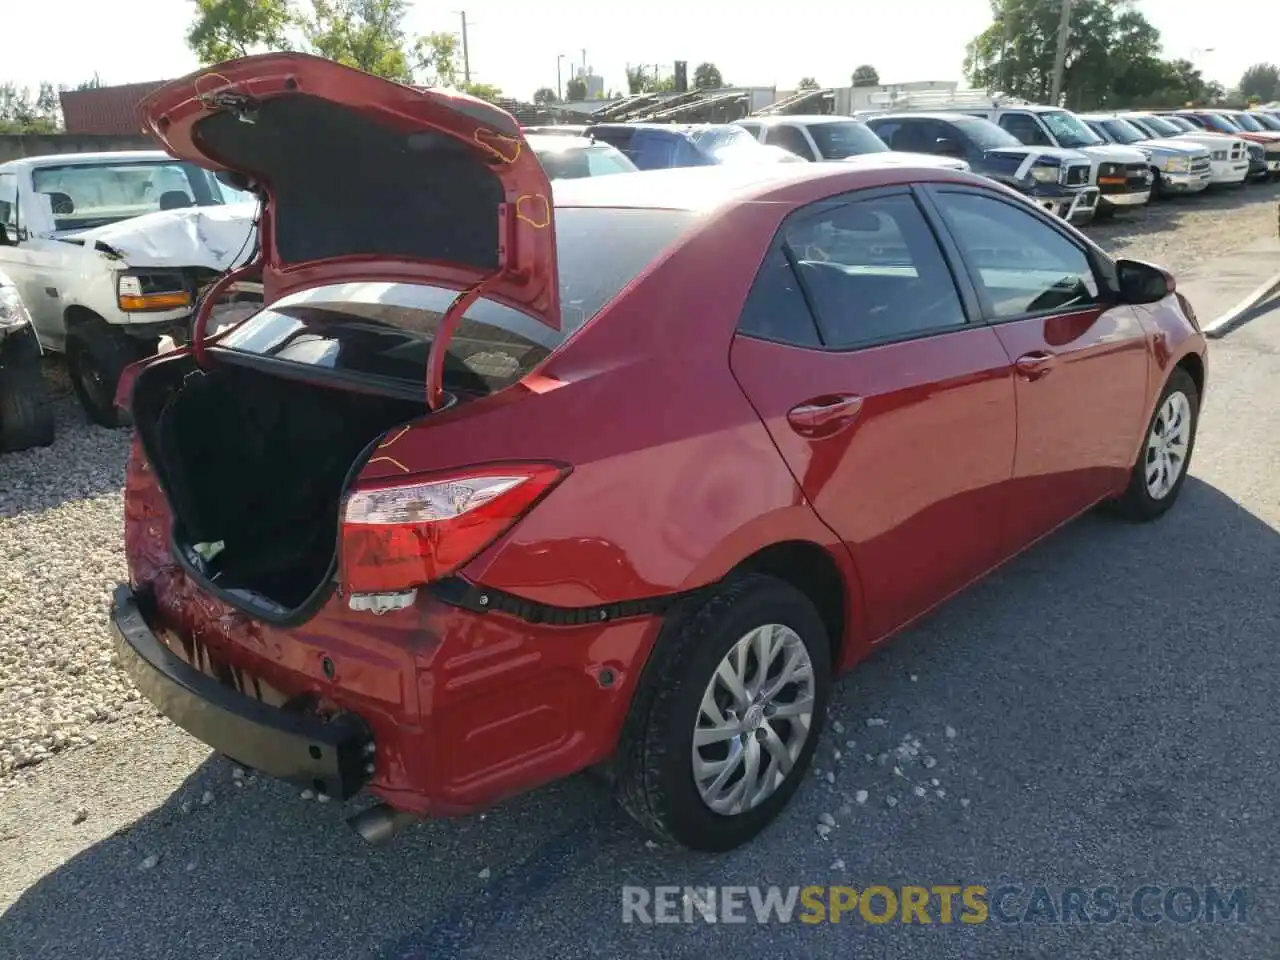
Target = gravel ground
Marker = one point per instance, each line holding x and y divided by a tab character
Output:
1183	232
61	544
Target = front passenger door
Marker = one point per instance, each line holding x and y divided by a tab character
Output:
1081	361
894	412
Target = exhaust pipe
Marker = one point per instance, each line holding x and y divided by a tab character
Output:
379	824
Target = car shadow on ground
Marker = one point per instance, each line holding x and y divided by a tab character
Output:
1167	214
1113	691
85	460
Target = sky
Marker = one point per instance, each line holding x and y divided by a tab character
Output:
515	44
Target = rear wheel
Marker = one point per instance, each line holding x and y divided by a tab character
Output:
26	418
727	716
96	356
1162	464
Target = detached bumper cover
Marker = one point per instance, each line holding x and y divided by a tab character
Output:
323	755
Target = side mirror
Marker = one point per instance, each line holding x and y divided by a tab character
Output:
948	147
1143	282
5	239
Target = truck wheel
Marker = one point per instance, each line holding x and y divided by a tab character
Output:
96	356
1157	186
727	715
26	417
1104	211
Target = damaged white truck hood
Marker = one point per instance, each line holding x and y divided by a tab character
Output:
218	237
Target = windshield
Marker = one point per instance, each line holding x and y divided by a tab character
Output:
985	133
836	141
1122	131
575	162
1157	126
1182	123
86	195
1268	122
1069	130
1246	122
382	332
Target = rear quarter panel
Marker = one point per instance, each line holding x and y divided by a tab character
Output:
675	479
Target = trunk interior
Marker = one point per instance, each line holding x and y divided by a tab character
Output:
258	463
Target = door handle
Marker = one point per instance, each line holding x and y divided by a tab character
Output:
1034	365
823	416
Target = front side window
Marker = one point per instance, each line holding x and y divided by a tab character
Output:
1156	126
1022	264
1024	127
1122	131
791	139
93	194
874	272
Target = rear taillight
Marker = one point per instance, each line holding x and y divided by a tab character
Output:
399	536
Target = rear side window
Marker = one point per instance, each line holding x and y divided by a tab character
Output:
775	308
382	332
874	272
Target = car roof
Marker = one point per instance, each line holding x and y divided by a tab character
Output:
931	115
70	159
806	118
706	188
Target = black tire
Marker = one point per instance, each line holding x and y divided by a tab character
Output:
1136	503
1154	193
96	356
1104	212
653	769
26	417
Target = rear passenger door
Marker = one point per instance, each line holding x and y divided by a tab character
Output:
1080	360
893	410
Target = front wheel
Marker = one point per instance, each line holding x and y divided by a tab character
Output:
26	417
1161	469
727	715
96	356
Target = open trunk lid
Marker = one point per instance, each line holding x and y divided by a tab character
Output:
365	179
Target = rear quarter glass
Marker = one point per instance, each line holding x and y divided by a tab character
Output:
382	332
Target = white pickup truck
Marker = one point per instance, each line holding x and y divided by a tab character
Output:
110	252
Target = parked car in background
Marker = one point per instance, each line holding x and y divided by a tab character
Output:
1228	155
567	158
1121	174
640	494
1262	134
659	146
821	137
26	419
559	130
110	252
1176	166
1056	179
1259	144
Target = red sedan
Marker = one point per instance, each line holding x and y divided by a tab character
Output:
496	489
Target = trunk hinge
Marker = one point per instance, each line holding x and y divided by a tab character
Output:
211	296
448	323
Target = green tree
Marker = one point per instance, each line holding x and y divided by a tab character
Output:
807	83
544	96
226	29
866	76
1262	80
365	34
642	79
437	56
575	90
485	91
23	112
706	76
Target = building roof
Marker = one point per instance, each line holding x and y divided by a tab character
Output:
109	110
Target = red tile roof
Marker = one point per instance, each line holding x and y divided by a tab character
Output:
110	110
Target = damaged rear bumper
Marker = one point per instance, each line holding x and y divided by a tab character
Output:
325	755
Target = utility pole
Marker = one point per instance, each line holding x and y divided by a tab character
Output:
1004	53
466	53
1060	58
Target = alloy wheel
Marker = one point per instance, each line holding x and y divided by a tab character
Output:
755	717
1167	445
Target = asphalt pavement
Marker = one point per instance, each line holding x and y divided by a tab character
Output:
1112	696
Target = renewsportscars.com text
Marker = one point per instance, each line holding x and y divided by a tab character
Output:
933	904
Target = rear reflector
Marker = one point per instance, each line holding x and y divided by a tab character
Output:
401	536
